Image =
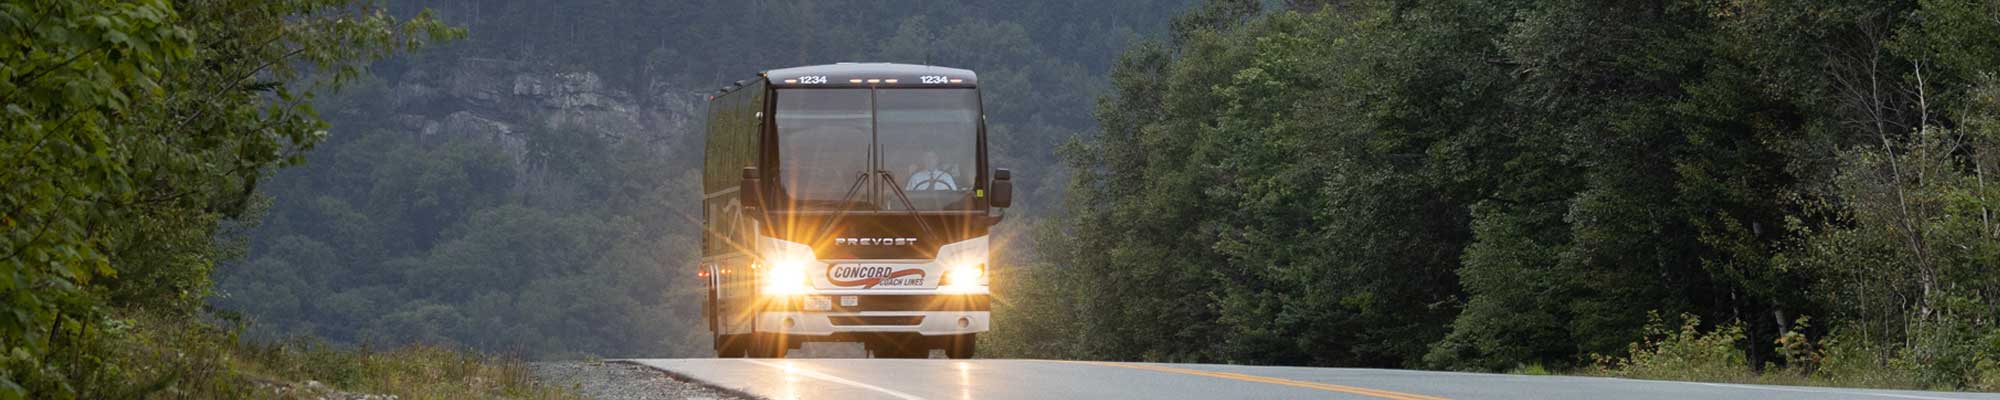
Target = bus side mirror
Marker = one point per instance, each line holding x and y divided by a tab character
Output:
749	193
1003	188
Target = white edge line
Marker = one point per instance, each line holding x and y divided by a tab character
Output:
836	379
1840	392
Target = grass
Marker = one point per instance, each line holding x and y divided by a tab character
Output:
1882	376
1713	356
414	372
1530	369
154	357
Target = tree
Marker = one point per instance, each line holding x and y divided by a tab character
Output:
134	129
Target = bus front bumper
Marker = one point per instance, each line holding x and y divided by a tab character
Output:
926	323
838	313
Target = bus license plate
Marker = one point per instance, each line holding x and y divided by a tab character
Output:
850	301
818	303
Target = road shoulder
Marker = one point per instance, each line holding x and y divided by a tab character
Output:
617	380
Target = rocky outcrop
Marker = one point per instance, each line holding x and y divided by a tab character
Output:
465	124
579	101
505	102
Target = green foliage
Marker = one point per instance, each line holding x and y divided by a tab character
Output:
1718	355
134	130
1854	363
150	355
1233	205
393	242
1489	185
73	68
1530	369
412	372
1687	354
1908	257
1799	351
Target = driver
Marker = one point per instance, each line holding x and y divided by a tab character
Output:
931	177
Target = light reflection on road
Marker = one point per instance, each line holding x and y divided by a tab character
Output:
792	373
964	380
791	390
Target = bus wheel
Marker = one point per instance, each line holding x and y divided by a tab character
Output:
730	346
768	345
960	347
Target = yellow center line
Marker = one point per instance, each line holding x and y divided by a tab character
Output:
1265	379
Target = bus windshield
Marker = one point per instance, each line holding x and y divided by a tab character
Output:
927	141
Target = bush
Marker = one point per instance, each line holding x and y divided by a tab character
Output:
1941	356
1854	363
1683	355
149	355
413	372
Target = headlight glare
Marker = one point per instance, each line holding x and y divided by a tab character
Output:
787	277
965	276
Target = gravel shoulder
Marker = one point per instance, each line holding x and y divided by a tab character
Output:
611	380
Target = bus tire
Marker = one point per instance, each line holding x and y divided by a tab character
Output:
960	347
768	345
730	346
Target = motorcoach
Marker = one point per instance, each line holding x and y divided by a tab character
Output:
849	202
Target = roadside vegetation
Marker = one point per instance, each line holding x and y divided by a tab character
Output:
135	136
1518	185
148	356
1688	353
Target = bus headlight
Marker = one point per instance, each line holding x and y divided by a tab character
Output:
965	277
785	278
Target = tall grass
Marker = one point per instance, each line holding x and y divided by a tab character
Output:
1717	355
149	356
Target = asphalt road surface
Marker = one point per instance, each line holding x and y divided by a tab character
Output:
841	379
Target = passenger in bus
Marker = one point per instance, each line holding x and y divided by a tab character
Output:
932	177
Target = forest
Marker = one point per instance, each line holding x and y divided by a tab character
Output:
1520	185
1793	187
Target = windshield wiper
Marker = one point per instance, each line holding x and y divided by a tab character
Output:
846	202
908	206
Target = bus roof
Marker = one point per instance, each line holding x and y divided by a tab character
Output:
871	75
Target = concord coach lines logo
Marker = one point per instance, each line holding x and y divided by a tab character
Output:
870	276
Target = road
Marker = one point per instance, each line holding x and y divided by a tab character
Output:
842	379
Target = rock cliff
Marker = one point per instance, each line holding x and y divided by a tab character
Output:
501	100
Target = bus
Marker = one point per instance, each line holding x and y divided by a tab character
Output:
849	202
